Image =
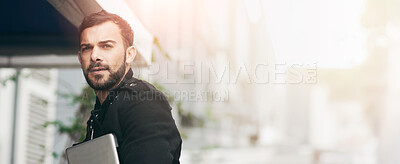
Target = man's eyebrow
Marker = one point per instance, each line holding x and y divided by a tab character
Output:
106	41
87	45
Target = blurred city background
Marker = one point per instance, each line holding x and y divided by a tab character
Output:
249	81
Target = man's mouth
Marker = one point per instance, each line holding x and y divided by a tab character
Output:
98	69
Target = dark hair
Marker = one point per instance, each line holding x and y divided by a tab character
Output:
104	16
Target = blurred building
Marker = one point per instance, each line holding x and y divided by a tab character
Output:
223	36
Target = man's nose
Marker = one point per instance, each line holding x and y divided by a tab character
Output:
96	55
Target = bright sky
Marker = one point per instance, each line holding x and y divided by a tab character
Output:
322	31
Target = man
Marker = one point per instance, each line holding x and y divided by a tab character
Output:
132	109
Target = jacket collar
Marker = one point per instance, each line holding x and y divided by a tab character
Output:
128	76
114	91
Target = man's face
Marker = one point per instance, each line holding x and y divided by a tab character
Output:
102	55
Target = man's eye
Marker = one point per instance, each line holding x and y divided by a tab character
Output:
106	46
85	49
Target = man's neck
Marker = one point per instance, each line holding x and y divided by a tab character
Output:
101	95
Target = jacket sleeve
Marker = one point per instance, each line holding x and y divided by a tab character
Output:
150	133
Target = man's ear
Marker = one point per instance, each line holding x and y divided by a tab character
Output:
79	57
130	54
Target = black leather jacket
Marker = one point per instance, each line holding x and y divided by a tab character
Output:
140	117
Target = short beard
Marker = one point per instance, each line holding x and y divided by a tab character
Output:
114	78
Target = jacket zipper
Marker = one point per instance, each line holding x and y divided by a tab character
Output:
91	128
